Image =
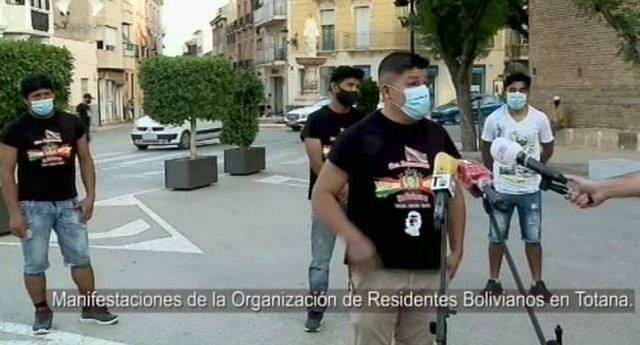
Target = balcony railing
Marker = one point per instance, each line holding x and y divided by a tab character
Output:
272	10
39	21
518	52
373	40
271	54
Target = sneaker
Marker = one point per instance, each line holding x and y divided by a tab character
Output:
314	322
493	287
540	289
42	321
99	315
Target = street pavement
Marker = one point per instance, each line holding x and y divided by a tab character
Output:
252	232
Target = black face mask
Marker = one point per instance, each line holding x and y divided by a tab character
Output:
347	98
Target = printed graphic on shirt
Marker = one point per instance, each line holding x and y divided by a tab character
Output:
413	223
412	189
52	152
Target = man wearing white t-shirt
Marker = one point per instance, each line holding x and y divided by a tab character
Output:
518	186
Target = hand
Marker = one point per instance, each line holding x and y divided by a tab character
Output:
453	262
18	226
361	253
86	207
585	193
582	185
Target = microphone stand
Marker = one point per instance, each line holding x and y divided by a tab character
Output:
490	205
440	215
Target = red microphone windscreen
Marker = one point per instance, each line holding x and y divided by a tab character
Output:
471	173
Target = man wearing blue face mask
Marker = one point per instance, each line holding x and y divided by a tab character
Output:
387	161
43	144
519	186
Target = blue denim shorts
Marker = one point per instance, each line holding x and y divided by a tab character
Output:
64	217
529	208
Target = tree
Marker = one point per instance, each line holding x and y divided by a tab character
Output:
241	125
21	58
460	31
369	96
624	17
185	89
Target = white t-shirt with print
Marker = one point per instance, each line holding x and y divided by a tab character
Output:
530	133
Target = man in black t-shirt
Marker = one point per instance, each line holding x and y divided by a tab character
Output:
321	130
84	111
43	144
387	161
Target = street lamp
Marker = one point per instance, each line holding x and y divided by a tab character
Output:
405	8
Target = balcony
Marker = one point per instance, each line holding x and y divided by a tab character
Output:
271	12
20	18
271	55
517	52
373	41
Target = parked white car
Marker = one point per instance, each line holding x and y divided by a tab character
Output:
147	132
297	118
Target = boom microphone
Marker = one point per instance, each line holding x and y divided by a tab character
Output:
478	180
509	153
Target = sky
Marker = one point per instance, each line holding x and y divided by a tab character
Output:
181	20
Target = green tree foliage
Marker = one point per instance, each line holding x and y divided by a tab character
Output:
19	59
184	89
369	96
624	17
241	125
460	31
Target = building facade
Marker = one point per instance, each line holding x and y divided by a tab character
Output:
271	53
26	20
241	35
226	14
576	58
361	33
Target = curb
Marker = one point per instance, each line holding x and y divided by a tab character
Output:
112	126
272	125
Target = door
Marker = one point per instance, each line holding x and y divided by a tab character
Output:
362	27
278	95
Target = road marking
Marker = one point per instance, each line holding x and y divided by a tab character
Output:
54	338
131	229
108	154
285	181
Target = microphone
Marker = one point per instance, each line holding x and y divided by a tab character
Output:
478	181
444	169
509	153
443	185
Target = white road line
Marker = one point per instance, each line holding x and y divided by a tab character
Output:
108	154
127	163
54	338
130	229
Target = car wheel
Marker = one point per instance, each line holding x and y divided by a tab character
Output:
185	140
142	147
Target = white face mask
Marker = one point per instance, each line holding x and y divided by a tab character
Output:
516	100
417	102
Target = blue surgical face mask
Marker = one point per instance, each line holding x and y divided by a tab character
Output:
417	104
42	108
516	100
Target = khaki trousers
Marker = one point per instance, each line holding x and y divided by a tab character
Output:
405	326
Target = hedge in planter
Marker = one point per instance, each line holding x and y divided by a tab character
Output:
21	58
185	89
241	127
369	96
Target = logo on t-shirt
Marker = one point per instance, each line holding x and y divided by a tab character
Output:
51	150
412	188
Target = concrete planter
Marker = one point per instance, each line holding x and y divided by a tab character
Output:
244	162
187	174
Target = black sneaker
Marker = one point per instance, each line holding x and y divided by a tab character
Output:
314	322
42	321
493	287
99	315
540	289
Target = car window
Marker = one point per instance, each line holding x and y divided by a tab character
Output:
491	100
322	102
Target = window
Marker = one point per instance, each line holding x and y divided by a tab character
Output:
432	72
39	4
327	19
302	74
126	30
366	69
106	38
478	79
15	2
325	78
362	27
84	86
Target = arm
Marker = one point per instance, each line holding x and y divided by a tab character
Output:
314	154
547	152
486	155
457	223
88	173
488	135
625	187
17	223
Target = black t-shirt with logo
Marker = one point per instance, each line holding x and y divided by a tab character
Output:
326	125
46	155
390	166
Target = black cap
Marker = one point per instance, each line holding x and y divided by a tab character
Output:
343	72
35	82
